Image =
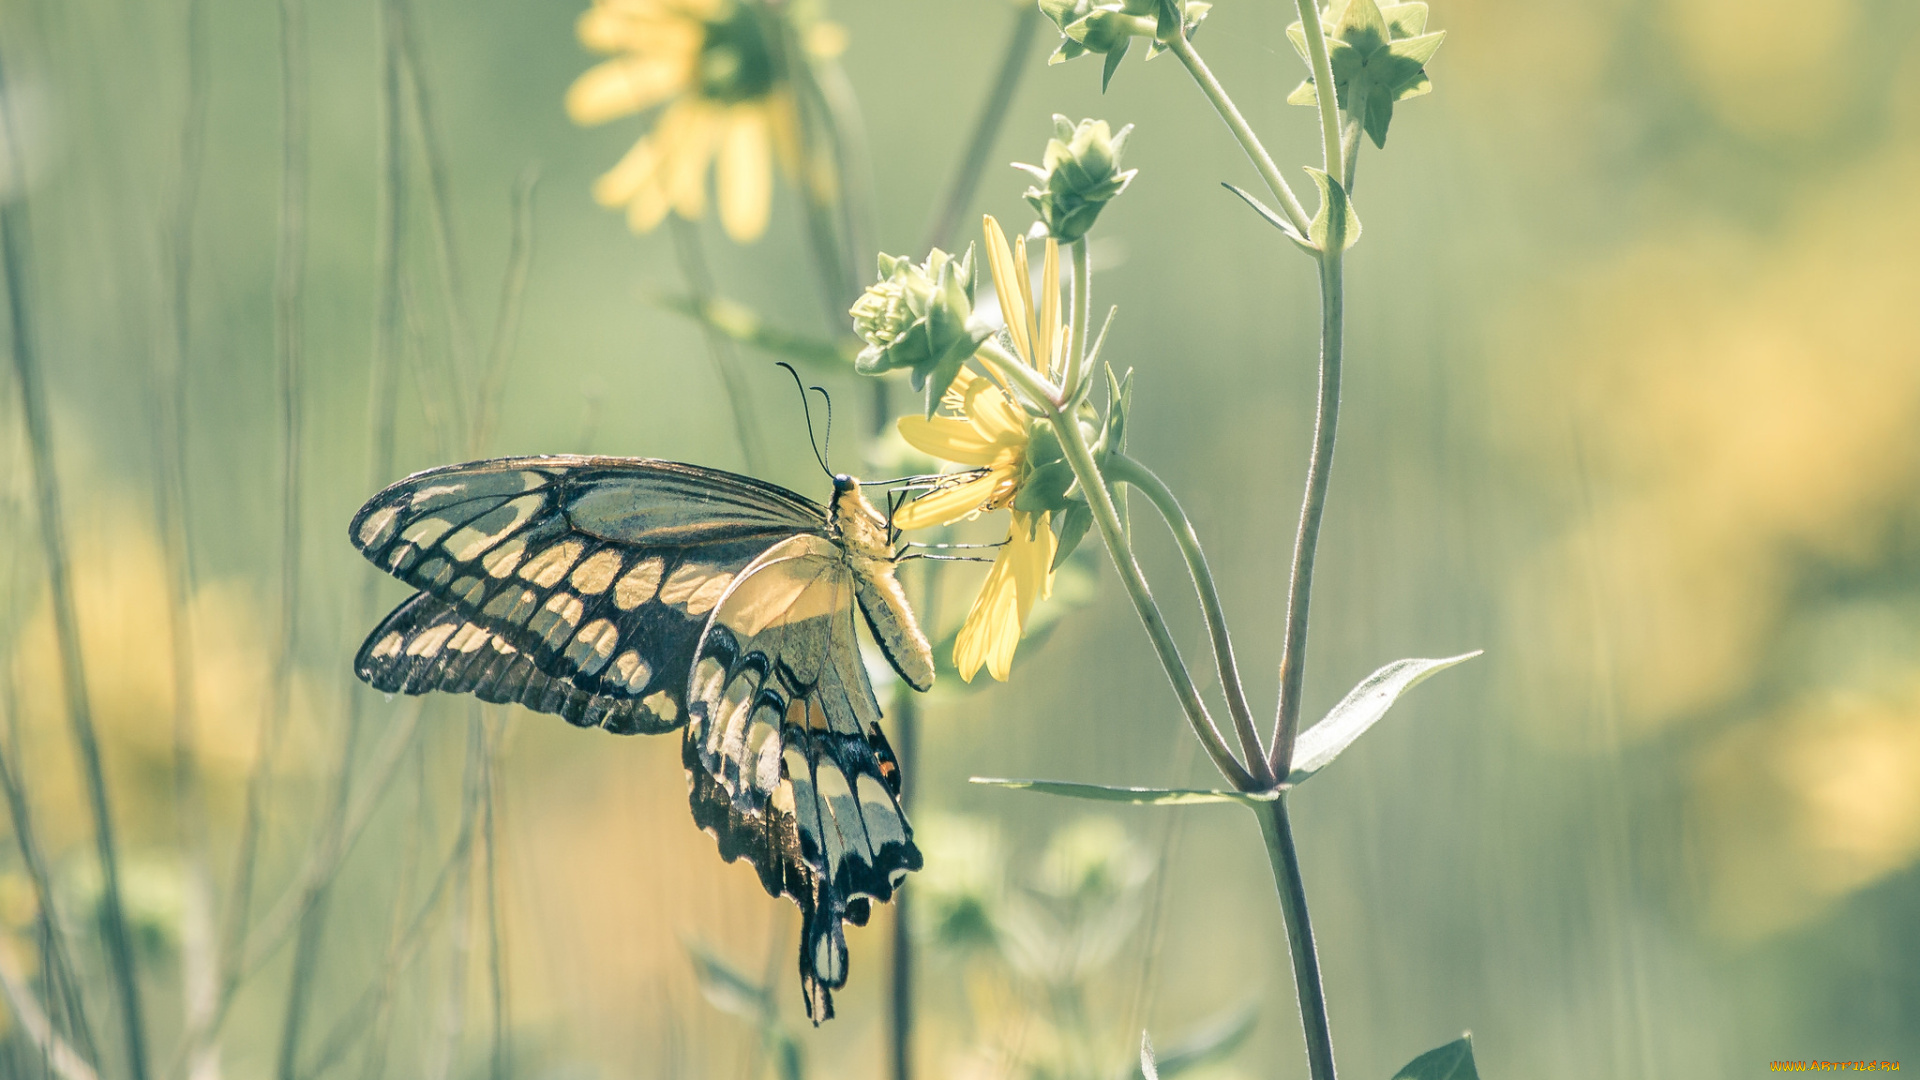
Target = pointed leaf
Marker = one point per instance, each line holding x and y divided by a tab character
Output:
1273	219
1335	226
1074	523
744	325
1361	25
1418	49
1136	796
1379	115
1405	20
1147	1068
1417	88
1304	94
1360	710
1114	56
1217	1038
1453	1061
1297	33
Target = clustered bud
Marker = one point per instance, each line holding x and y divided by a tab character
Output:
1109	28
1079	175
920	317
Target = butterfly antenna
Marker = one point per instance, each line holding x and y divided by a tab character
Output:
827	454
806	410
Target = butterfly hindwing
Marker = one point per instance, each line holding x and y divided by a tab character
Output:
785	725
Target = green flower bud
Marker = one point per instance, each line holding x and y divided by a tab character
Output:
1080	175
920	317
1109	28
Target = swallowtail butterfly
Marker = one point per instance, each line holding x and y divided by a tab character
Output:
646	596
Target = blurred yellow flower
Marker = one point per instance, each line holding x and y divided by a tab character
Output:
982	428
717	66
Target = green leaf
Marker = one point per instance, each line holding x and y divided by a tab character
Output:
1405	20
1297	33
1074	523
1335	226
1360	710
1418	49
1134	795
1304	94
744	325
1453	1061
1114	56
726	988
1273	219
1215	1039
1360	24
1379	116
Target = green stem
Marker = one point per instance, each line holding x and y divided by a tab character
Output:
1307	540
1277	830
1350	135
1249	142
1324	91
33	404
1080	459
1079	319
1125	470
693	266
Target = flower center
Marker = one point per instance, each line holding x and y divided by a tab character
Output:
737	58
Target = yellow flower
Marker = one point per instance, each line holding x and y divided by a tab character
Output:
982	428
718	68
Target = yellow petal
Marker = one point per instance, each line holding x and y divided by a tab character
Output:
948	504
1023	274
950	438
745	174
626	85
687	150
1007	283
1048	343
619	185
992	630
639	28
988	407
1029	552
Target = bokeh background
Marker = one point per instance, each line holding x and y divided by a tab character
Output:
1633	404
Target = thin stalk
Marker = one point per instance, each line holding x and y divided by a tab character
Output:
506	327
502	1056
61	1059
1080	459
986	129
59	944
1331	158
441	1056
1125	470
289	346
693	266
1243	134
14	258
1306	542
847	131
439	198
1079	318
906	739
1277	830
1350	135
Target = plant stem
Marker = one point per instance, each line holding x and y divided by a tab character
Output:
1125	470
993	113
1080	459
693	266
1079	319
1306	542
905	716
1324	91
1249	142
33	404
1277	830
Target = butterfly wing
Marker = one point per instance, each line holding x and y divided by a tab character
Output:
785	752
573	585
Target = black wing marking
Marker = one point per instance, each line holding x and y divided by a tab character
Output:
583	583
785	754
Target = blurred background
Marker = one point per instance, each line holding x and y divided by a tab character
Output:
1633	404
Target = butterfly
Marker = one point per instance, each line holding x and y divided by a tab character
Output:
645	596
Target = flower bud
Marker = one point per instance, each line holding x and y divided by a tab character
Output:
1109	27
919	317
1080	175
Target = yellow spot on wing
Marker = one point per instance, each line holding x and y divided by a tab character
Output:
389	646
551	564
594	575
593	645
470	638
662	705
429	643
638	586
556	620
481	534
426	531
501	560
376	525
632	671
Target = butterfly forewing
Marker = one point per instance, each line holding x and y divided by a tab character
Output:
640	596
